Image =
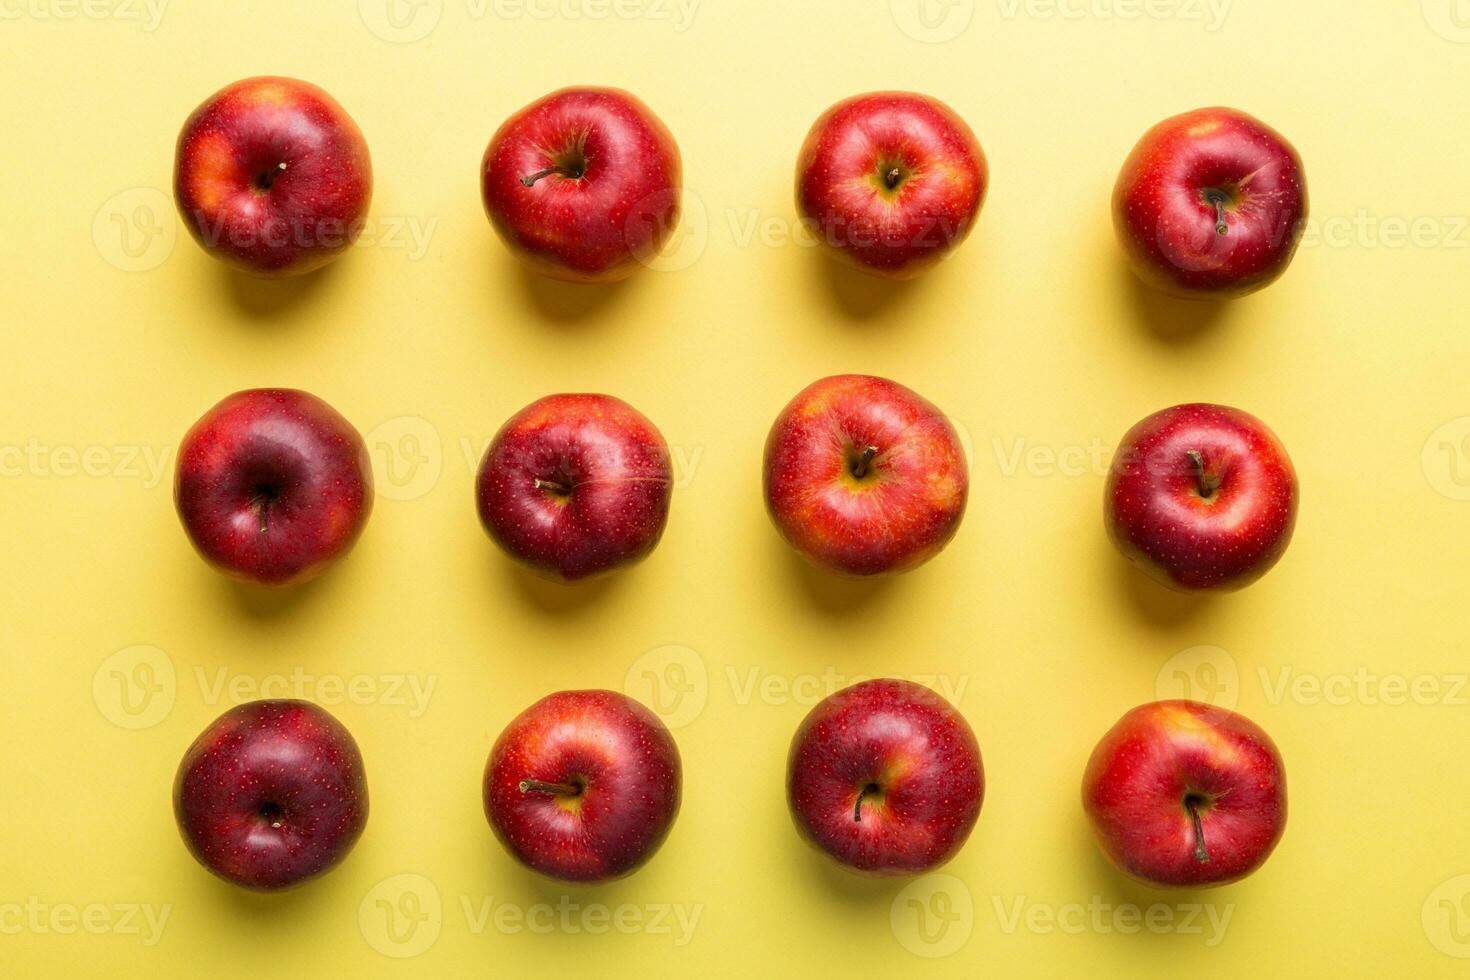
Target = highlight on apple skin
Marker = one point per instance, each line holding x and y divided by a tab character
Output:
584	184
271	794
1183	794
576	485
890	182
272	176
273	485
885	777
863	476
583	786
1201	497
1211	204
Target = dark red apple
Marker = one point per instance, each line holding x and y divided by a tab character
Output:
891	182
272	176
583	786
1201	497
1184	794
1211	204
576	485
271	794
273	486
863	476
584	184
885	776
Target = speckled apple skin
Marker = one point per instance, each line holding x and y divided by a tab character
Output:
920	753
293	442
891	232
615	464
266	763
599	227
1152	760
627	766
321	178
1156	516
902	514
1167	228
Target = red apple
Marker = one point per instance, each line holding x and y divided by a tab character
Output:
863	476
584	184
1184	794
891	182
583	786
1211	204
885	776
271	794
272	176
273	485
576	485
1201	497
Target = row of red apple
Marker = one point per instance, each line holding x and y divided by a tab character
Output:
884	776
862	476
585	185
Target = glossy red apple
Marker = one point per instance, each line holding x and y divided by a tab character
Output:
1211	204
271	794
890	182
1201	497
583	786
584	184
1184	794
576	485
863	476
272	176
273	486
885	776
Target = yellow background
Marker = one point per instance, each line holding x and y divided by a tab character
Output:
1032	336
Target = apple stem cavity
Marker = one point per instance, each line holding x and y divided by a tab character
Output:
861	464
1206	483
555	789
1217	199
1201	852
893	178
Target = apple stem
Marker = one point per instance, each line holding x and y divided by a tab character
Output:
1201	853
530	179
891	179
556	789
857	806
860	468
1218	200
553	486
1207	484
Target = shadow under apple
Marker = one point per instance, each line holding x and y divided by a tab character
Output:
573	303
561	599
861	296
1170	319
268	300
